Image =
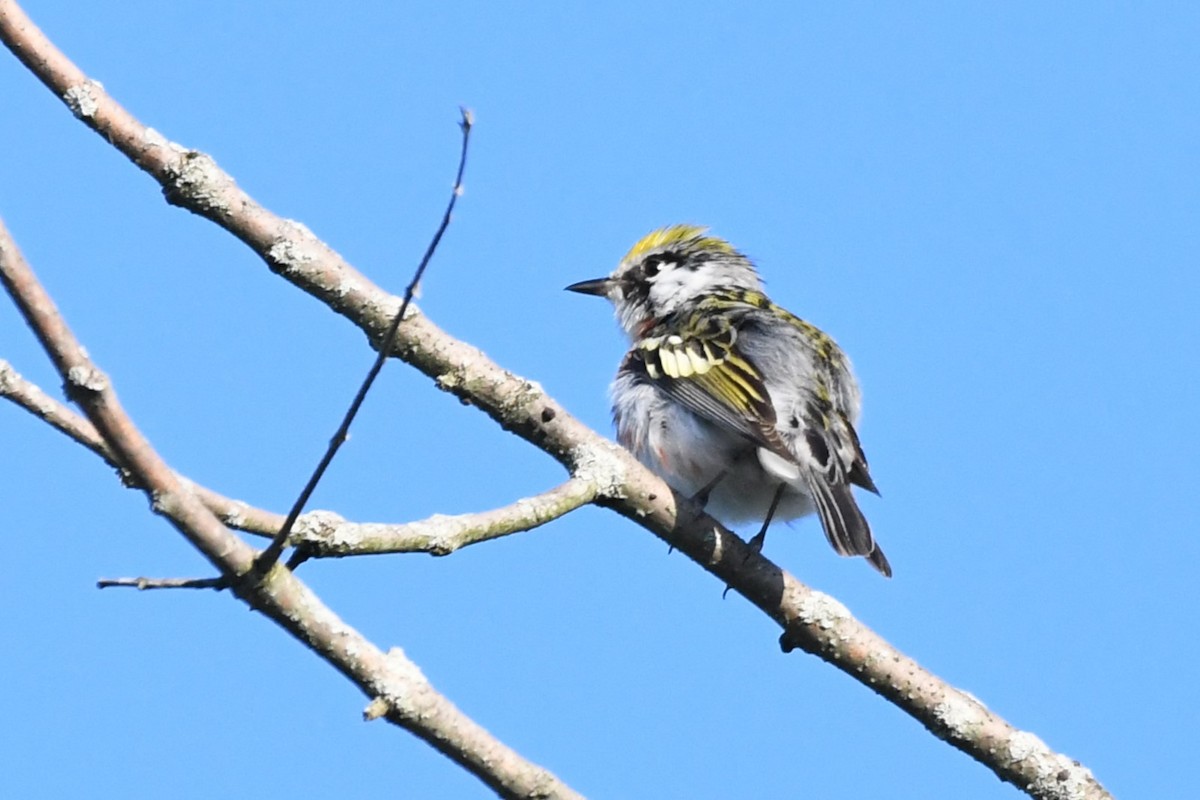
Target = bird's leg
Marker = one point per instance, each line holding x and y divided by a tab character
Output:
756	543
700	498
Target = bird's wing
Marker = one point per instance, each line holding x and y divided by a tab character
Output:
703	369
826	413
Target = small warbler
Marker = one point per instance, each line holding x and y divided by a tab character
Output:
729	397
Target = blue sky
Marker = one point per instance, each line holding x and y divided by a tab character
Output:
993	207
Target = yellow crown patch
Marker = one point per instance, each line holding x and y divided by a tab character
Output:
690	235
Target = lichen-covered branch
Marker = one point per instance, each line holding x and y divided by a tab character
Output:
325	534
810	619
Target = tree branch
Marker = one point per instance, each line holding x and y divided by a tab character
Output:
324	534
810	619
389	679
321	534
234	513
143	584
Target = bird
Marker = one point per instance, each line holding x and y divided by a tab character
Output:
730	398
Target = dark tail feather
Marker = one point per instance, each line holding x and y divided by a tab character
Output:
879	561
845	526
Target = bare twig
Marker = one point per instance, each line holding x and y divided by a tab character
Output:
411	700
234	513
811	619
142	584
324	535
271	554
30	397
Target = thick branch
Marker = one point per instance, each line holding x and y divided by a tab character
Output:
810	619
389	679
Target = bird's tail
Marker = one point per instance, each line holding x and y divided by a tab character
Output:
845	526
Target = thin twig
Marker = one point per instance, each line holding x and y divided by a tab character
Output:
143	584
270	555
27	395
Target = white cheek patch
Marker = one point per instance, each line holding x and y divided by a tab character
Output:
674	284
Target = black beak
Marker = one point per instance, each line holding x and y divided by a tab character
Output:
598	287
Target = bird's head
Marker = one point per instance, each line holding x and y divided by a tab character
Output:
668	270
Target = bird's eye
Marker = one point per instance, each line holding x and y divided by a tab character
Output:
652	265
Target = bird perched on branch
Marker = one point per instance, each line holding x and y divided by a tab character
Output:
730	398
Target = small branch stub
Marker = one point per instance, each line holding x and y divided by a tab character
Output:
375	709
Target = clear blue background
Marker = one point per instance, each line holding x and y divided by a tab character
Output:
993	207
